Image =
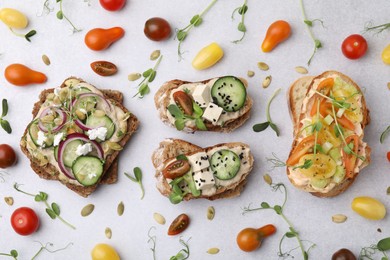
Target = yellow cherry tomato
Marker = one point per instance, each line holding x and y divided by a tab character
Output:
13	18
207	56
369	208
104	252
386	54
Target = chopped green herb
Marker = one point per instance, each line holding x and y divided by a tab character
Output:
181	118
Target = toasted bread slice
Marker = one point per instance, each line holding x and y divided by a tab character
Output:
300	98
110	174
169	149
162	101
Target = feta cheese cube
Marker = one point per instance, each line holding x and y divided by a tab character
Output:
212	113
58	138
199	161
41	138
202	95
99	132
84	149
204	179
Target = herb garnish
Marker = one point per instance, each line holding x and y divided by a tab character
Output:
241	26
276	162
369	27
152	239
195	21
181	118
384	134
184	253
262	126
60	14
279	210
4	123
27	36
137	179
369	252
309	24
52	210
44	247
316	129
149	75
13	253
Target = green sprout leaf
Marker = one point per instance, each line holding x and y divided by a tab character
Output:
55	208
51	213
4	104
260	127
60	15
6	126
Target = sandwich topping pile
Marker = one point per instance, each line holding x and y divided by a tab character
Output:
76	134
328	150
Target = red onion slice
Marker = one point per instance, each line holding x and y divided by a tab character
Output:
46	111
105	101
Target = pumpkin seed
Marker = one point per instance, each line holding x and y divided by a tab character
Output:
87	210
50	96
159	218
210	213
213	251
267	81
263	66
120	209
108	232
114	146
339	218
388	85
388	191
45	59
154	55
9	201
47	119
267	179
80	114
250	73
56	100
71	82
57	121
133	76
301	70
99	113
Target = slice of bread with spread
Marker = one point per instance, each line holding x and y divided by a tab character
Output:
329	114
185	171
76	135
219	104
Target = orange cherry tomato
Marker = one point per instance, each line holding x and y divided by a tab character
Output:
350	159
179	224
21	75
99	39
278	32
301	149
104	68
324	88
249	239
346	123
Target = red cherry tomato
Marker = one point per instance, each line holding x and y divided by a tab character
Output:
388	156
24	221
157	29
112	5
178	225
354	46
7	156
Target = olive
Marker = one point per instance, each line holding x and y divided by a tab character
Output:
343	254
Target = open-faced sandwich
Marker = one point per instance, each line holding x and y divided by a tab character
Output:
329	114
76	135
185	171
218	104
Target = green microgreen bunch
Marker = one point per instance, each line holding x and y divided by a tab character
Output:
279	210
149	75
184	253
276	162
4	123
152	240
181	118
262	126
137	179
195	21
377	29
27	36
60	13
13	253
309	24
343	104
370	253
384	134
241	25
177	195
53	210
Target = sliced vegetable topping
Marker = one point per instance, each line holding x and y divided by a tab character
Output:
184	102
176	169
87	170
96	121
229	93
225	164
51	119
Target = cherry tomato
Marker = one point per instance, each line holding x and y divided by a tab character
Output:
277	32
343	254
104	252
104	68
179	224
13	18
388	156
386	54
21	75
7	156
207	57
157	29
112	5
184	102
176	169
99	39
301	149
249	239
24	221
354	46
369	208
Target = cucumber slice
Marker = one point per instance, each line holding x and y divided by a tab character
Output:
104	121
87	103
339	174
56	153
33	132
319	183
87	170
81	90
69	154
229	93
335	154
225	164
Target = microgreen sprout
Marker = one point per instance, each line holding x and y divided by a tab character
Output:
241	25
152	240
45	248
149	75
13	253
309	24
279	210
195	21
184	253
377	29
60	13
137	179
53	210
276	162
262	126
4	123
370	252
27	36
384	134
316	129
181	118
